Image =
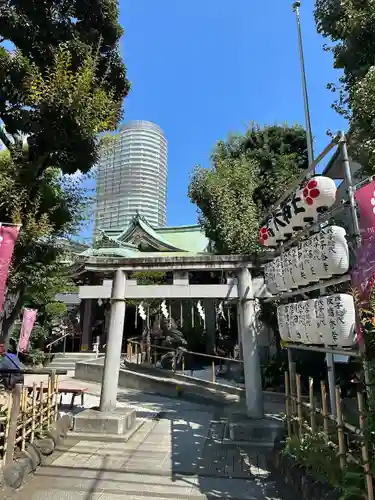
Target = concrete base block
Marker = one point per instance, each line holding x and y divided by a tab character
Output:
108	438
117	422
262	433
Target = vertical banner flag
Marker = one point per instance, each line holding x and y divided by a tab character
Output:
8	238
363	273
28	320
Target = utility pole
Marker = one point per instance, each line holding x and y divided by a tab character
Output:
310	149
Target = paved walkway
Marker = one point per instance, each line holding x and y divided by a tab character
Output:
176	454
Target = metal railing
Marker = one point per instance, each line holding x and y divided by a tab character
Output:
181	360
57	341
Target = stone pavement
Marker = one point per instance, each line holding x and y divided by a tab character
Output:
176	454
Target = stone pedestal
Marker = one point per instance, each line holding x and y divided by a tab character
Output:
262	433
118	424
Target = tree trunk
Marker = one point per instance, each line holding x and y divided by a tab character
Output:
11	310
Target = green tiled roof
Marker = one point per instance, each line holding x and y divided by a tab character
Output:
115	252
177	239
188	238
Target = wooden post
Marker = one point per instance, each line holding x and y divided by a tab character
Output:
312	406
299	404
49	397
213	371
174	361
136	353
340	429
13	422
57	398
53	395
41	409
292	379
324	411
183	364
33	414
155	357
24	417
287	404
365	450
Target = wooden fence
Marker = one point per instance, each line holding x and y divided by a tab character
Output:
351	443
27	413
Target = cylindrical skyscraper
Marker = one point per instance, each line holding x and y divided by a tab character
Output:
132	177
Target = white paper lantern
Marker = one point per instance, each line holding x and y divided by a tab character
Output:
293	321
336	251
287	272
283	324
270	278
319	257
308	262
312	332
289	265
296	273
281	222
300	328
301	264
321	315
341	320
319	193
296	210
279	277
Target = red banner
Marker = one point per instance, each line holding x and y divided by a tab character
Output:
28	321
8	238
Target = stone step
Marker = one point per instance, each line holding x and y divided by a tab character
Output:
78	355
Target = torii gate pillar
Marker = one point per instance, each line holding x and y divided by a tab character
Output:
248	335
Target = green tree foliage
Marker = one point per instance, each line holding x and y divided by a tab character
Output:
64	83
350	26
56	208
61	85
249	172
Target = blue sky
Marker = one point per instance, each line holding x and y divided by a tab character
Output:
202	69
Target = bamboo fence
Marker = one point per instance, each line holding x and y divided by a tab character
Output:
28	413
351	442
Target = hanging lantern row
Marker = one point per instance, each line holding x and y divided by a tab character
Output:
220	311
327	320
142	312
320	257
303	209
200	310
164	310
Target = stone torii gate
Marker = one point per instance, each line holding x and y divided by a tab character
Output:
242	288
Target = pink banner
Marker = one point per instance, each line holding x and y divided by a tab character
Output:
363	272
28	320
8	238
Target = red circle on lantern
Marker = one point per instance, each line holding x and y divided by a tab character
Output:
309	200
314	193
312	184
305	192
